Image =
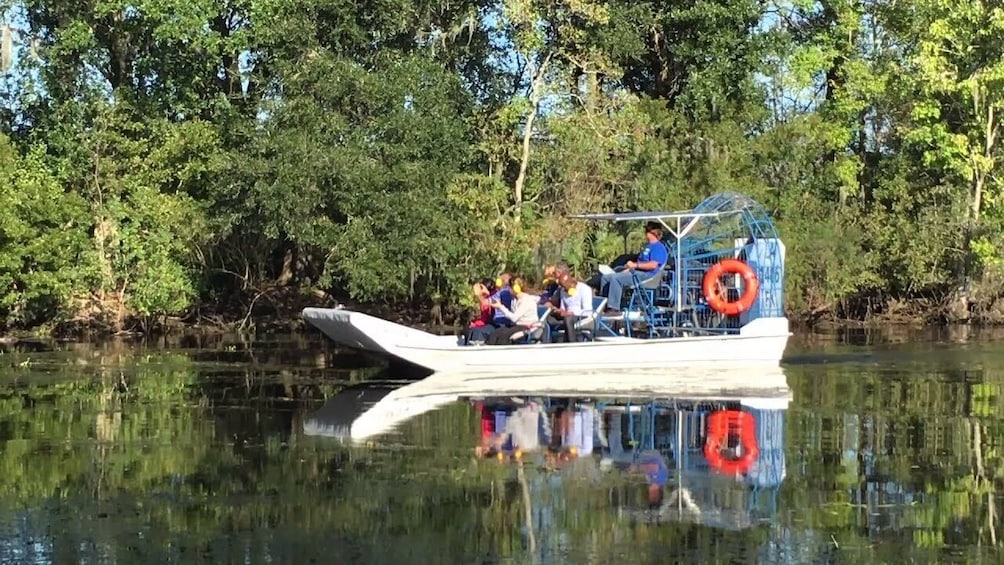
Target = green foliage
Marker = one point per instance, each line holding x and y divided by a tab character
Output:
145	224
45	259
700	56
370	178
825	263
389	151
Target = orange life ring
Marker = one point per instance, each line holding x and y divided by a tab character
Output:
716	293
719	425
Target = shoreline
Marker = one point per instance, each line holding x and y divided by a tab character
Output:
289	321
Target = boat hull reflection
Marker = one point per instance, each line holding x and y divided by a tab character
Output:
369	409
703	448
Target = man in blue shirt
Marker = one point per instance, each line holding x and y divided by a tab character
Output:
649	264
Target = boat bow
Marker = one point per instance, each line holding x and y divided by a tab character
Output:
368	333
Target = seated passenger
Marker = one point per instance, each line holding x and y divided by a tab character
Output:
503	294
649	264
522	316
549	284
551	292
576	303
480	329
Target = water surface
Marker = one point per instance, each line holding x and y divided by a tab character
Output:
210	449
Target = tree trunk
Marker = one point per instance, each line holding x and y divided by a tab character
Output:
535	87
592	91
864	172
287	272
983	164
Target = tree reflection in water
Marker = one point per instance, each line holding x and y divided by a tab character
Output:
126	455
590	470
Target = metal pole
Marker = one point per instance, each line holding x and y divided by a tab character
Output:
680	271
679	439
679	460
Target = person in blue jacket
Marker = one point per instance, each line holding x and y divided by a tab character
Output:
503	294
649	264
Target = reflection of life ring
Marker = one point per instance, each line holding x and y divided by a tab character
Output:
716	292
719	426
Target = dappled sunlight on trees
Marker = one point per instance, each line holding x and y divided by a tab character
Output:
203	159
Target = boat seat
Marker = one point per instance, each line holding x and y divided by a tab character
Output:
535	332
659	288
589	326
644	300
592	325
651	283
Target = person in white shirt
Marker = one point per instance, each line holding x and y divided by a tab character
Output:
523	314
576	303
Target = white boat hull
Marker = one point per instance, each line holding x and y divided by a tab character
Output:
760	343
765	389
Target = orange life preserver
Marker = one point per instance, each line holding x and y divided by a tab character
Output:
716	294
719	425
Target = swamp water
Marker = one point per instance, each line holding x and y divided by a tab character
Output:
223	450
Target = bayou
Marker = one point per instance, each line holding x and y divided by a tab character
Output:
874	448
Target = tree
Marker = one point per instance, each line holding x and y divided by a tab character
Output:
959	97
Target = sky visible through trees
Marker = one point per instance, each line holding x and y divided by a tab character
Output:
165	158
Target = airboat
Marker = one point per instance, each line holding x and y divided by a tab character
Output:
719	302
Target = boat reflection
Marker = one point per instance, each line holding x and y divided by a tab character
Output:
724	477
372	408
694	448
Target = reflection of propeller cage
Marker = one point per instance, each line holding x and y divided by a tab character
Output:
655	425
727	225
696	493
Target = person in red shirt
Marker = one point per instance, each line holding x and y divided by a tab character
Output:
480	329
